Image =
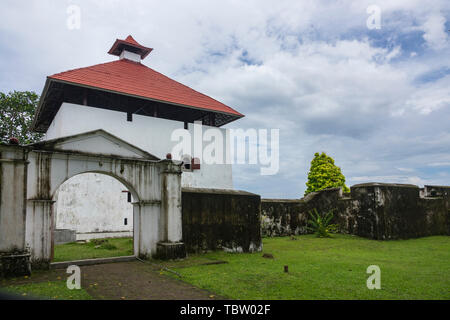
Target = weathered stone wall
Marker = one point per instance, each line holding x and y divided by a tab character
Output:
15	263
221	219
372	210
13	192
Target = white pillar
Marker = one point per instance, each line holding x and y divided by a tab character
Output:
171	247
146	224
171	197
40	230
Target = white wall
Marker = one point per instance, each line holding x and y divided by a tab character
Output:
93	203
148	133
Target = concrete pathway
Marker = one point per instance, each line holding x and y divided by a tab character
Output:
125	281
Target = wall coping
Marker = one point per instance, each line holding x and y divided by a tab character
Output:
217	191
381	184
283	200
433	186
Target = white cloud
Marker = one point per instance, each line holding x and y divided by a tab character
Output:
309	68
431	97
435	31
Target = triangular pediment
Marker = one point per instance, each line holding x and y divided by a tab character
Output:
98	142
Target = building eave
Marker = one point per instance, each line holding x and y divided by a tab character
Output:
51	80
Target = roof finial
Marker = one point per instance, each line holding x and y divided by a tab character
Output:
129	49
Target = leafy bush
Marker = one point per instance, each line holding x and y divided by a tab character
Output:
320	224
324	174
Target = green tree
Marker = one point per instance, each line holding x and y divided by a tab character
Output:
16	115
324	174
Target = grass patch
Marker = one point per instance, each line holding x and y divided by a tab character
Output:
97	248
55	290
327	268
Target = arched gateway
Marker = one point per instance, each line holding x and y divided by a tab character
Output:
30	176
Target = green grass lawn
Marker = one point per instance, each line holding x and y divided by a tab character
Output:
319	268
56	290
327	268
113	247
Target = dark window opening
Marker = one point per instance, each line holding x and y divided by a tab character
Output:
129	196
125	221
185	126
129	116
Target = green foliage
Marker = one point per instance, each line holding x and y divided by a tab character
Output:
324	174
16	115
320	225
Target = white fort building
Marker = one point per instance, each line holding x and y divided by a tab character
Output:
139	105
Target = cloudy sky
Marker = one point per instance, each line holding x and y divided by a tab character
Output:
377	100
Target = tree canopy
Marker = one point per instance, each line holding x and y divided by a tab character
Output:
324	174
16	115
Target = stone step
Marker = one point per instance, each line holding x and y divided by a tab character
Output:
88	262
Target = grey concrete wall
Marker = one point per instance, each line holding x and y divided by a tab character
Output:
64	236
221	219
372	210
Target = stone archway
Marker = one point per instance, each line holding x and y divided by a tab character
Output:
39	169
92	205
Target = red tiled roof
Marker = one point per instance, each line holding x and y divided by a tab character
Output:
133	78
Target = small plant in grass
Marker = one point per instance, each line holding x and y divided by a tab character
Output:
98	242
103	244
320	224
109	246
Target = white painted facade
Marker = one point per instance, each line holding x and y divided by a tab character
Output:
105	206
130	56
86	203
148	133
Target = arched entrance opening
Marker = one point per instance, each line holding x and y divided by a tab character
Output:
92	218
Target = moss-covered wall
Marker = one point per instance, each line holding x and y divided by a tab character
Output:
373	210
221	219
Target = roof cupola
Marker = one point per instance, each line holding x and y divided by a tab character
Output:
129	49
